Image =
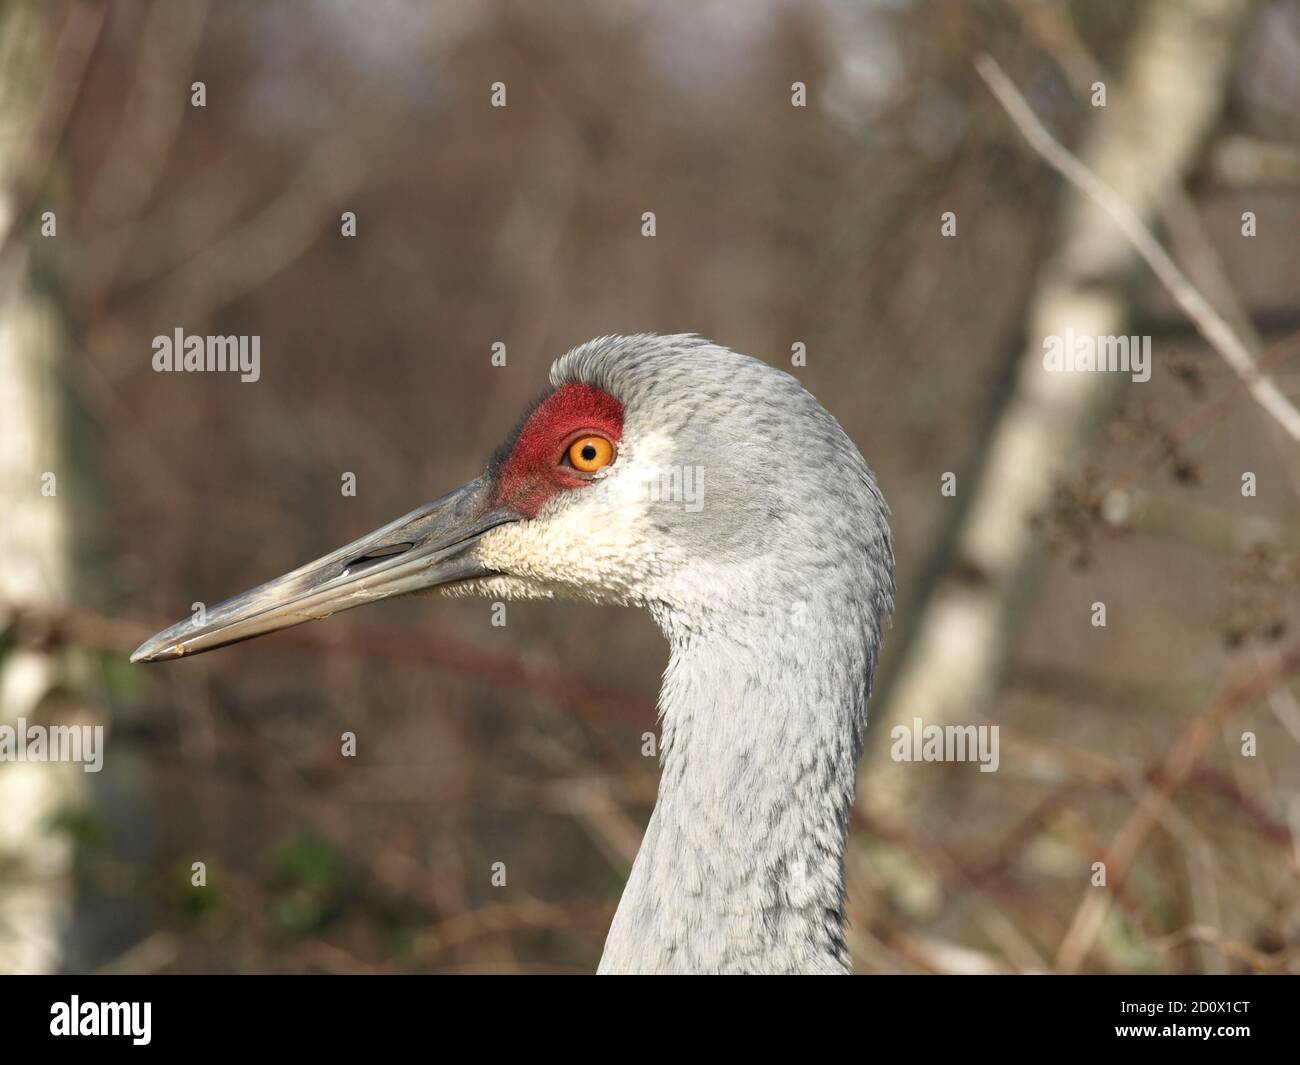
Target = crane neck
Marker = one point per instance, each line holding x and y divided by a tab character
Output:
742	865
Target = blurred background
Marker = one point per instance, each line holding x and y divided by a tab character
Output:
127	211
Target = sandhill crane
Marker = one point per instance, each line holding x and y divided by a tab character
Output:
771	583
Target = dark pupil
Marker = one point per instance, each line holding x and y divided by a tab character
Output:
589	452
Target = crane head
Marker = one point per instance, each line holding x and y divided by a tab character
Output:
664	472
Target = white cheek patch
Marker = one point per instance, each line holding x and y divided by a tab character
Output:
594	542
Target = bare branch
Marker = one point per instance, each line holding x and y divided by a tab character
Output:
1211	325
1177	768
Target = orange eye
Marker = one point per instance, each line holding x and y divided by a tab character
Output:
588	454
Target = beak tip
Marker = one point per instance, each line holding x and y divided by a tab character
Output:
150	651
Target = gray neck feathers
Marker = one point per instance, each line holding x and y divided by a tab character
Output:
742	866
772	594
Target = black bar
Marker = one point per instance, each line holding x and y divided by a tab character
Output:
436	1015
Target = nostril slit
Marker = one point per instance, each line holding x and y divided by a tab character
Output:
379	554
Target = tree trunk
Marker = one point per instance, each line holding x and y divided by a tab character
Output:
36	856
1142	143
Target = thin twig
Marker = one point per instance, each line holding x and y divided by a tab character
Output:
1209	323
78	40
504	669
1053	28
1178	767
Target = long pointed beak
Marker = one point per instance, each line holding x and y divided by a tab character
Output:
431	546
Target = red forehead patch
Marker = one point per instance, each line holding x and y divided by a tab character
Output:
531	471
